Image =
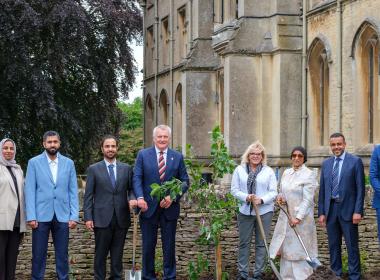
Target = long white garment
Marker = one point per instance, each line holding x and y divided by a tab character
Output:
298	187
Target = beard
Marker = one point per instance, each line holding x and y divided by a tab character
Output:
52	151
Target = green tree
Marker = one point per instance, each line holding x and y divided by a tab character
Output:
63	66
131	135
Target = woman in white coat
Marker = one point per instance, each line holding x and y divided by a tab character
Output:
297	188
12	219
253	182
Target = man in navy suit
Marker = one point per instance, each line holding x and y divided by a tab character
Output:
374	176
340	205
51	205
158	164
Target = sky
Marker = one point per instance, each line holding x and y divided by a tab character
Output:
137	90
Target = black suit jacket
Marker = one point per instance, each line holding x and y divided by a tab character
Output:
101	200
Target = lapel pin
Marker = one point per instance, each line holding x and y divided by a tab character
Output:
172	158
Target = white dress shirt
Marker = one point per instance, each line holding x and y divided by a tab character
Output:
114	167
53	165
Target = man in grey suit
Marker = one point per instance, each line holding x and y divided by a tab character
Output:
107	200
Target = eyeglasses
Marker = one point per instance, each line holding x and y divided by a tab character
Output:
255	154
297	156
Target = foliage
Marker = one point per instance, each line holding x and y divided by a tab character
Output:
63	66
132	113
216	207
158	263
172	188
131	141
196	269
363	259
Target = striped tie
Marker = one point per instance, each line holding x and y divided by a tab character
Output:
335	179
161	166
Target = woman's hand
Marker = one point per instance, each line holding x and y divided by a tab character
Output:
256	200
294	221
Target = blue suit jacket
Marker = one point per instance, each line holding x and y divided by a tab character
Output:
374	176
146	173
43	198
352	188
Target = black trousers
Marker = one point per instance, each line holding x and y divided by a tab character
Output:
109	239
9	244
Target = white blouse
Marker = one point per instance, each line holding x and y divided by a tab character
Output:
266	189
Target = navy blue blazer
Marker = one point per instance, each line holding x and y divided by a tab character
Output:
352	187
146	173
374	176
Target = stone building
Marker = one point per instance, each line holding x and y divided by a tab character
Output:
286	72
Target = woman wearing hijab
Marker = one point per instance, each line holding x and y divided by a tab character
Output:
297	188
12	219
253	182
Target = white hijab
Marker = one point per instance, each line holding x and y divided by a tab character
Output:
5	162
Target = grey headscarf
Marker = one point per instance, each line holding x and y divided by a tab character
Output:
5	162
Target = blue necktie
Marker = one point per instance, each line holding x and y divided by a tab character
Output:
112	175
335	178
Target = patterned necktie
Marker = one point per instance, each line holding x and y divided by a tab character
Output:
112	175
161	166
335	178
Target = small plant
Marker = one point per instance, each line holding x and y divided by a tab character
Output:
216	207
172	188
196	269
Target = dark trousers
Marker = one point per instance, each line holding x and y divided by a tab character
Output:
149	229
40	238
378	223
9	244
336	227
109	239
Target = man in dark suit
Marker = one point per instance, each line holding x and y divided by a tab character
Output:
340	205
106	208
158	164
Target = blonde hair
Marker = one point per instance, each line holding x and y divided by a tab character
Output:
253	146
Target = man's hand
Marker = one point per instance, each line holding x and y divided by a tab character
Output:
256	200
322	220
72	224
33	224
90	225
166	202
132	204
141	203
356	218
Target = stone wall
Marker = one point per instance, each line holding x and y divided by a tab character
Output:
81	246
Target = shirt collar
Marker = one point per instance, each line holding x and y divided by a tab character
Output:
109	163
342	156
49	160
157	150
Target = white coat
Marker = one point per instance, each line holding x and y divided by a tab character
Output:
9	200
298	187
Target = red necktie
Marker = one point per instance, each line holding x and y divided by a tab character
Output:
161	166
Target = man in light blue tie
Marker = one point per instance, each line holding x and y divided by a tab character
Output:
51	205
340	205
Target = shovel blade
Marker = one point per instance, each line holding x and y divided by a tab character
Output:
132	275
314	263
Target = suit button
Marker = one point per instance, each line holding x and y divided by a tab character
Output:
54	197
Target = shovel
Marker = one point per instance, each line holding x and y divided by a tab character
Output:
133	274
313	262
262	233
